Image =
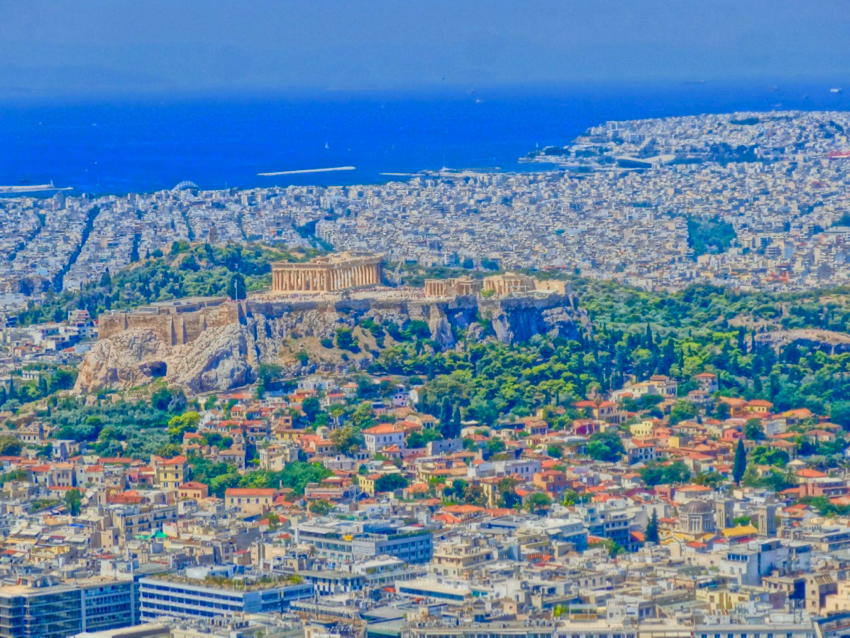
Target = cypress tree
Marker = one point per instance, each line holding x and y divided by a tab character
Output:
740	465
456	424
652	528
446	418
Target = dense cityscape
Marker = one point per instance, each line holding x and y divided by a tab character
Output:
747	200
507	461
446	319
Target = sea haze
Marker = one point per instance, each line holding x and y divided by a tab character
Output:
123	145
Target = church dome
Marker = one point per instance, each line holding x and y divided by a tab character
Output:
697	507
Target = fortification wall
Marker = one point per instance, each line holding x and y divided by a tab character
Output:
171	328
516	317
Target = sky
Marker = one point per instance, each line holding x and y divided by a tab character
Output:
94	47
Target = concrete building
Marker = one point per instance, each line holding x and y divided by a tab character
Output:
40	609
188	597
343	541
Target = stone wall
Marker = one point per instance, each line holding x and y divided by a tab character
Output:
173	325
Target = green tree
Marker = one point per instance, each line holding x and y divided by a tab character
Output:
538	502
274	521
311	408
764	455
74	502
345	340
363	416
179	425
320	508
652	528
571	498
446	414
495	446
456	425
613	547
9	445
169	450
709	479
740	464
347	440
665	474
840	413
390	483
421	438
236	287
507	492
605	446
682	411
754	430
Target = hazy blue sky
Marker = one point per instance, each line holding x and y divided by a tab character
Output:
95	46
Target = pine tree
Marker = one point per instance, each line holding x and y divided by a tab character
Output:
652	528
740	465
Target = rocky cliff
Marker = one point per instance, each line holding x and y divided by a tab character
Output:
826	341
227	356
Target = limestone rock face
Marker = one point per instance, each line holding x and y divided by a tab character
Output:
227	356
218	360
827	341
118	362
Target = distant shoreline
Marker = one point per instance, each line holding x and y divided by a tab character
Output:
309	170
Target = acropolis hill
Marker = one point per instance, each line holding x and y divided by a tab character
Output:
207	344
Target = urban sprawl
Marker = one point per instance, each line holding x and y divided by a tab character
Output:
358	503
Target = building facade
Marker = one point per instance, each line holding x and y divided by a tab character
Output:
348	543
182	598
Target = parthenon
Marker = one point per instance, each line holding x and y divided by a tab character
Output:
330	273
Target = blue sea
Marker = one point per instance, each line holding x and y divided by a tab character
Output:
120	145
